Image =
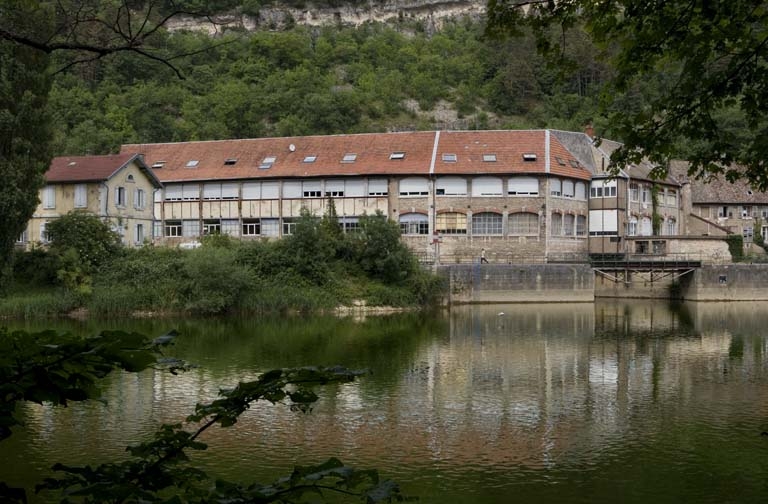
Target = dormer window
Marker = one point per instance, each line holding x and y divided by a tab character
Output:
349	158
310	159
230	161
560	161
193	163
397	155
529	157
267	162
489	158
449	158
573	163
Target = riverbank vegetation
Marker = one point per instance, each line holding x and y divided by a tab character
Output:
317	268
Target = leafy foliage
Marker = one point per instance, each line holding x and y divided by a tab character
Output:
25	131
688	78
59	368
92	239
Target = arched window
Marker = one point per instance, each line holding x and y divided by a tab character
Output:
670	226
569	225
486	223
451	223
632	226
581	225
414	224
646	228
524	223
557	224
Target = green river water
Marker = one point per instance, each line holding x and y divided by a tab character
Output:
631	401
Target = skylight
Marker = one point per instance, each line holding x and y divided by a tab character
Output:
529	157
449	158
158	164
192	163
310	159
489	158
230	161
397	155
560	161
349	158
575	164
267	162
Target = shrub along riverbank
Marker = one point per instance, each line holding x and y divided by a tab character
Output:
317	268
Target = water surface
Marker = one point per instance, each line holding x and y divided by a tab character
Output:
607	402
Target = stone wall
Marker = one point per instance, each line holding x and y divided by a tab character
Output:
502	283
727	282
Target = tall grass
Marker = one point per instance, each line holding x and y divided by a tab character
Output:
37	305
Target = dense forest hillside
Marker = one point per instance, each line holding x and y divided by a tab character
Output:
260	79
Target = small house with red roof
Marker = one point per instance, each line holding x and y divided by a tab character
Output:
118	188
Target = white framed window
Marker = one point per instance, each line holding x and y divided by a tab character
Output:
173	192
523	223
555	187
267	162
523	186
212	191
414	224
81	196
289	226
349	224
270	227
190	192
603	222
489	158
229	191
310	159
397	155
414	186
645	194
487	186
334	188
139	199
44	232
568	189
120	196
451	223
349	157
354	188
311	189
49	197
634	191
449	158
451	186
251	227
172	228
603	189
486	223
377	187
211	227
270	190
22	238
646	226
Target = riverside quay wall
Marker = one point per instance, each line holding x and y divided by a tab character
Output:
510	283
558	283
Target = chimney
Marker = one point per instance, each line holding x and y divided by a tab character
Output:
589	130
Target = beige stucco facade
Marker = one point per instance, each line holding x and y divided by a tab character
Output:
124	200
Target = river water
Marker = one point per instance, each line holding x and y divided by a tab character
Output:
609	402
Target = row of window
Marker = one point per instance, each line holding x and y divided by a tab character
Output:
643	193
81	197
644	227
410	186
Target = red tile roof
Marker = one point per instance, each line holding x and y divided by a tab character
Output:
373	155
71	169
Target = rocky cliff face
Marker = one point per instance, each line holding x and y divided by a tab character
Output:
432	12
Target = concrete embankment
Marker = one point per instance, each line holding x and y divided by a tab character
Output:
510	283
